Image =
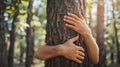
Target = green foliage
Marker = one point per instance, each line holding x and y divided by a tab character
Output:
38	22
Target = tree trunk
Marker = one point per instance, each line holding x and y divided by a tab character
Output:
12	39
29	37
3	46
100	33
116	34
56	33
112	50
22	50
12	43
21	53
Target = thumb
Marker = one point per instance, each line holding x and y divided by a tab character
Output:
74	39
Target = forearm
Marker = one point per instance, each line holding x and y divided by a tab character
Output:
45	52
78	24
92	48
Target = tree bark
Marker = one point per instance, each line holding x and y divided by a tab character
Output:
56	33
100	33
3	46
29	37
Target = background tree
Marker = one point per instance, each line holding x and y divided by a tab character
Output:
3	45
29	37
15	5
100	33
116	33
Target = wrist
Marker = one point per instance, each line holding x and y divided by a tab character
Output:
87	35
59	50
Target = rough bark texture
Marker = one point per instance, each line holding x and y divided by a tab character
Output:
57	33
100	33
3	54
29	37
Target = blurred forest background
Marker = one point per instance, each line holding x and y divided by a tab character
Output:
22	30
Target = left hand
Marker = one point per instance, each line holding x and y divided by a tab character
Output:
71	51
77	23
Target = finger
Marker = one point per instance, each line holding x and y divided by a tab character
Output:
81	49
70	26
74	16
70	18
74	38
81	53
69	21
80	57
77	60
80	15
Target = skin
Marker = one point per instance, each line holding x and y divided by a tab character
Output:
68	49
78	24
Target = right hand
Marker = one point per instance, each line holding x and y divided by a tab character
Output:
72	52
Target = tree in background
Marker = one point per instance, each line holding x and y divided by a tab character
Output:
100	33
29	37
116	33
15	5
3	46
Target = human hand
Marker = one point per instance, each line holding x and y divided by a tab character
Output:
77	23
70	51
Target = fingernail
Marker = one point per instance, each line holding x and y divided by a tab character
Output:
68	13
77	37
66	24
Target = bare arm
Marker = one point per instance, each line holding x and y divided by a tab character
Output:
46	52
78	24
92	48
69	50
